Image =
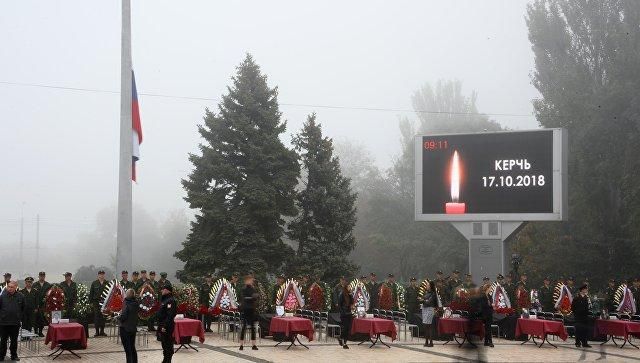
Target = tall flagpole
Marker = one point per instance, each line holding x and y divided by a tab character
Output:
125	225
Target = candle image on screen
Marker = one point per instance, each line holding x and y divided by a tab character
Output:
455	207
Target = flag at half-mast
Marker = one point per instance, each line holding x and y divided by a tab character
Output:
137	127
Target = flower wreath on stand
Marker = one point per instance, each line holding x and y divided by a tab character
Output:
319	297
624	301
148	302
360	294
461	300
290	296
82	309
500	300
54	300
112	298
400	297
562	299
263	300
222	297
188	298
385	297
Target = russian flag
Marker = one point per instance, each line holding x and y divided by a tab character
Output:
137	126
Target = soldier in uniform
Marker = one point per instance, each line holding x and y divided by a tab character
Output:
486	281
95	298
468	282
125	283
70	289
373	289
391	283
452	284
205	289
545	295
336	292
609	301
7	279
30	304
43	287
134	279
571	286
523	279
163	280
635	290
510	289
500	279
412	298
142	280
156	289
235	284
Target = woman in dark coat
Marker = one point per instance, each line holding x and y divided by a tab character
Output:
580	308
128	325
345	305
248	305
429	304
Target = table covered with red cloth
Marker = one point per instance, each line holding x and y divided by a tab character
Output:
188	328
290	325
461	326
618	328
374	326
65	332
541	328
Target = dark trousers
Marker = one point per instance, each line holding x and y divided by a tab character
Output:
488	338
9	332
28	318
248	318
150	323
206	319
98	319
166	339
128	340
41	320
345	327
582	333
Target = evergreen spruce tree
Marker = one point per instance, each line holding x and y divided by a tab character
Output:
324	227
242	184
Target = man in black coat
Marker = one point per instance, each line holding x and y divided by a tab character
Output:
580	308
485	308
165	316
11	311
128	325
43	287
30	304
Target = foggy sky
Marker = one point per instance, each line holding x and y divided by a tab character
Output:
59	148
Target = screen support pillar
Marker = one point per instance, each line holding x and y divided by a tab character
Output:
489	254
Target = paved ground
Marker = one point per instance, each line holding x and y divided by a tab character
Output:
216	349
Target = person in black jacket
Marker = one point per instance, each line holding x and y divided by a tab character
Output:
248	305
345	305
165	316
11	311
128	325
486	311
429	304
580	308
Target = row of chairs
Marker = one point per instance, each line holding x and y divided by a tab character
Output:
230	324
400	319
320	321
